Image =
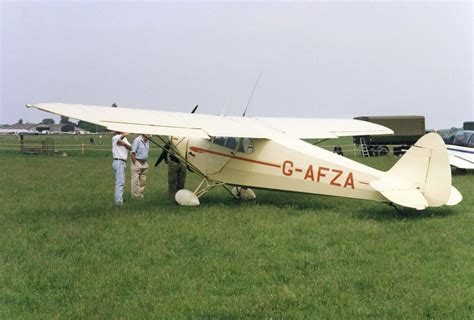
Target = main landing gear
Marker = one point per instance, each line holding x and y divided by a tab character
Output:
191	199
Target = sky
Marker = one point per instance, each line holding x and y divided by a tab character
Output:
316	59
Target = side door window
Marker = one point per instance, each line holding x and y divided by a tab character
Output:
245	145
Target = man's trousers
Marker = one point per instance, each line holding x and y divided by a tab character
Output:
138	171
176	177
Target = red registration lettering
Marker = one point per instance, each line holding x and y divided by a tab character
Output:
287	168
309	173
338	174
349	181
320	172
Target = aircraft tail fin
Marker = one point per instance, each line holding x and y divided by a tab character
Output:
421	178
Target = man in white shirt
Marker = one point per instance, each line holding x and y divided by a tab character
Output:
120	147
139	165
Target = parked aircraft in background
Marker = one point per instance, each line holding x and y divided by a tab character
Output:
461	149
268	153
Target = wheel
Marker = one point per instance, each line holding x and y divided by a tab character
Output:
243	193
372	151
186	198
383	151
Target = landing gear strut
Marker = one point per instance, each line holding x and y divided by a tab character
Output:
188	198
205	186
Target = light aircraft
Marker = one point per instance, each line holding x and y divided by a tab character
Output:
461	149
269	153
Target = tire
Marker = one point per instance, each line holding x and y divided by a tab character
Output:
383	151
372	151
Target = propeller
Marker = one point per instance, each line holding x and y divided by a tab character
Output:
166	147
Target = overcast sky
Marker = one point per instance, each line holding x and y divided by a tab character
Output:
322	60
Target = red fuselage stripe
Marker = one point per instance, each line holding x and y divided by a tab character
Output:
200	150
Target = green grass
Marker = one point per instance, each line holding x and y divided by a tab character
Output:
68	252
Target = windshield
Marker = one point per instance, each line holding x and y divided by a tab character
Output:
237	144
470	143
463	138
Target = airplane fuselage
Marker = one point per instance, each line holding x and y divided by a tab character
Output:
270	165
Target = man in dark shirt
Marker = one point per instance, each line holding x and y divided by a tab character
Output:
176	171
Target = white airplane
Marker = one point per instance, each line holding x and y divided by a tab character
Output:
461	149
268	153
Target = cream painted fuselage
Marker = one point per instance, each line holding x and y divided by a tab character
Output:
270	165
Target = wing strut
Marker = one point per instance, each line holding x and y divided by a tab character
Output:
166	147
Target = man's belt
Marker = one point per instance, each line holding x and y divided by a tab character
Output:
120	159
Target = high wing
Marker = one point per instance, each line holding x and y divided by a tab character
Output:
205	126
303	128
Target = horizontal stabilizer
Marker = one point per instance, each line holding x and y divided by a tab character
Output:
407	196
454	198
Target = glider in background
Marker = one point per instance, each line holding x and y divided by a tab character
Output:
461	149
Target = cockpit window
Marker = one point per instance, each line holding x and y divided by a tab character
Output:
243	145
471	141
219	140
231	143
461	138
449	139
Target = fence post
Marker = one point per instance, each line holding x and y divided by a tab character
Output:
82	149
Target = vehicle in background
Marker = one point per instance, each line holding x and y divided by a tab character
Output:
407	130
461	149
468	125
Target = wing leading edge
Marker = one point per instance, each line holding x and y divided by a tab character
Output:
205	126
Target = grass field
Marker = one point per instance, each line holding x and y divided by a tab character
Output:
68	252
